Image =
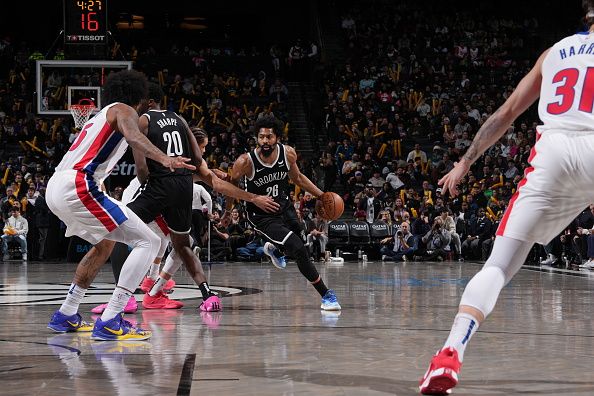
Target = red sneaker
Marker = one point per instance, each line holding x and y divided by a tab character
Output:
160	301
147	285
442	374
169	285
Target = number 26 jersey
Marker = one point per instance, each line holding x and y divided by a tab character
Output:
269	179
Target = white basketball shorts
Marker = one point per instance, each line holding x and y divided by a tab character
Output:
76	199
557	186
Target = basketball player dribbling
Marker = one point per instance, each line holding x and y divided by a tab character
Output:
557	186
73	194
267	170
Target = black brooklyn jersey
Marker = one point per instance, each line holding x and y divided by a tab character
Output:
167	131
271	180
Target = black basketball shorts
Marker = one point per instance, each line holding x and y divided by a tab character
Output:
277	227
169	196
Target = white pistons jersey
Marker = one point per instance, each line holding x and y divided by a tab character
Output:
97	149
567	89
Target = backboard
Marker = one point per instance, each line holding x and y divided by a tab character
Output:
61	83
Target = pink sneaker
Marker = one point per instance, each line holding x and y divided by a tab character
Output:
211	304
99	309
131	307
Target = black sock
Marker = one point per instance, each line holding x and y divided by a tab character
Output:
205	290
320	287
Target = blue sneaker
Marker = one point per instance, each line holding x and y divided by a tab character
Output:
118	329
278	260
330	302
61	323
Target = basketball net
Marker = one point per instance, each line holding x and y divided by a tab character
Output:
81	112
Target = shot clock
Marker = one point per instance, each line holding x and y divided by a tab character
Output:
85	21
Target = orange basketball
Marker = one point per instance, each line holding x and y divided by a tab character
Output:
330	206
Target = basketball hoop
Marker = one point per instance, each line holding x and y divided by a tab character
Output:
81	112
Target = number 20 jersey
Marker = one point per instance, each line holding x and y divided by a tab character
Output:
168	132
271	180
567	89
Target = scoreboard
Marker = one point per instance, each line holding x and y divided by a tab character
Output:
85	21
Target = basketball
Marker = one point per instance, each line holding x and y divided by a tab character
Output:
330	206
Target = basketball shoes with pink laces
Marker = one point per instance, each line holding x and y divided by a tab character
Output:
442	374
211	304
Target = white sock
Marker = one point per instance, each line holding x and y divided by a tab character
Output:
73	299
464	327
154	272
157	286
116	304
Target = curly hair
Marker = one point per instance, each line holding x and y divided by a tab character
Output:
269	122
127	86
155	92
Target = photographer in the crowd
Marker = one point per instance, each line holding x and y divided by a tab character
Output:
403	247
436	240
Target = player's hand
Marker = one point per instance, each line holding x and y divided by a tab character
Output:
450	181
266	203
220	174
177	162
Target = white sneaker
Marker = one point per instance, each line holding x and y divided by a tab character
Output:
549	260
589	265
277	259
24	258
586	264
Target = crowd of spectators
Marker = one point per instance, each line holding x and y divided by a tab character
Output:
416	85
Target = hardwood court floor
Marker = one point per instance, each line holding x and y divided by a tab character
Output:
272	339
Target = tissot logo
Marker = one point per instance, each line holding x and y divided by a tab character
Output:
54	294
84	37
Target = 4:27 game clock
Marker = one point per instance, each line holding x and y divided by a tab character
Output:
85	21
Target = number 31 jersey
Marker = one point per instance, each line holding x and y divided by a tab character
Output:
567	89
269	179
168	132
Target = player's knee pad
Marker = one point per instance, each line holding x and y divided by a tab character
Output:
483	289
